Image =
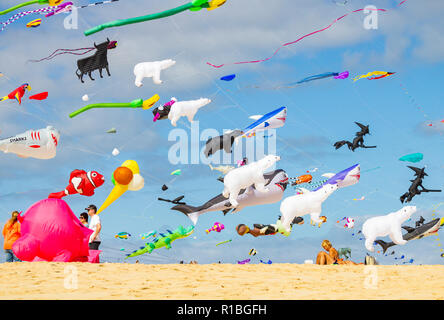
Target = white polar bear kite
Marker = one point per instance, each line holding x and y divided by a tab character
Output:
309	202
185	109
151	69
247	175
388	225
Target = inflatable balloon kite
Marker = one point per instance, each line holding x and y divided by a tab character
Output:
115	152
218	227
268	262
52	3
126	177
34	23
56	7
420	231
228	78
17	16
310	202
414	157
267	229
226	241
39	144
416	184
177	172
349	222
272	120
378	74
163	241
122	235
335	75
174	110
81	182
276	182
50	231
18	93
151	70
139	103
194	5
306	178
358	141
244	261
98	61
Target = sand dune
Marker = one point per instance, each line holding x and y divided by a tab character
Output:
43	280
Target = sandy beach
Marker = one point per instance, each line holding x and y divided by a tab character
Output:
43	280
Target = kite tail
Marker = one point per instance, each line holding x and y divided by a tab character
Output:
383	244
190	211
4	98
59	52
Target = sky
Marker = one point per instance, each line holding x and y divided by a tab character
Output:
398	110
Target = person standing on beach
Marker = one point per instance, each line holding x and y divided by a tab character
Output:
84	219
95	225
11	232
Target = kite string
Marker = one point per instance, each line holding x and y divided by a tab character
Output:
64	51
301	38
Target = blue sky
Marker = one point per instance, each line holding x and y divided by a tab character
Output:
407	42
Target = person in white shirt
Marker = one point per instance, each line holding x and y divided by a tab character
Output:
95	225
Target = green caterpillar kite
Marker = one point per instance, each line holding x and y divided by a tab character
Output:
194	5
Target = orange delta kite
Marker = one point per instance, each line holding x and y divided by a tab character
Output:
378	74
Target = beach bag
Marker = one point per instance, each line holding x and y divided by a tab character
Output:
369	260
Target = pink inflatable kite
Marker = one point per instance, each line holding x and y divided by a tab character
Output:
52	232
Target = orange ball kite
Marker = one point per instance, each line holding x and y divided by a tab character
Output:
123	175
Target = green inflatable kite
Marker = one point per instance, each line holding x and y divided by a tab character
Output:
138	103
164	241
194	5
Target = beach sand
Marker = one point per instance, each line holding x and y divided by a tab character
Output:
45	280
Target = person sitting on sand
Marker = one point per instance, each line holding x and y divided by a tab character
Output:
331	256
263	230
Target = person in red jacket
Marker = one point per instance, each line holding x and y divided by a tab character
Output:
11	232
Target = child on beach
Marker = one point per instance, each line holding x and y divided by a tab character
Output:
11	232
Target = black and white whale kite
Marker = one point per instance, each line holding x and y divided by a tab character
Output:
420	231
276	183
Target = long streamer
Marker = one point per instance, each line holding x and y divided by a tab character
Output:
293	42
